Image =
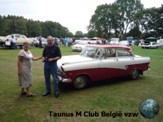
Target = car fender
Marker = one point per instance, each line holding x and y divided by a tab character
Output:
79	68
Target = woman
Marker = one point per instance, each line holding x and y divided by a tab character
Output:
25	58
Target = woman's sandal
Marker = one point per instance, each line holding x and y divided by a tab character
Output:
31	95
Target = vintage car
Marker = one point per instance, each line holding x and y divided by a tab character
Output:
2	40
124	42
150	45
79	46
20	39
101	62
36	41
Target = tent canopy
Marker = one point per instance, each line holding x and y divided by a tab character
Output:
151	39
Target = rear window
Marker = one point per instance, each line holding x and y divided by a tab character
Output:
123	52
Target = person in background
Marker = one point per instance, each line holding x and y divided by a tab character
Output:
13	42
62	42
55	41
40	41
50	55
70	41
24	64
65	41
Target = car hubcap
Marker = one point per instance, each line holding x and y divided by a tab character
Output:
135	74
80	83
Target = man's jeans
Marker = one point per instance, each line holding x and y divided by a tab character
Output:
51	68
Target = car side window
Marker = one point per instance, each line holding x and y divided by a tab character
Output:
108	53
23	37
98	53
122	52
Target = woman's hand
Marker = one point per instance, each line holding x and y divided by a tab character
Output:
19	73
43	59
35	59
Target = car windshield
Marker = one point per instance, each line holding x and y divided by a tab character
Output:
92	52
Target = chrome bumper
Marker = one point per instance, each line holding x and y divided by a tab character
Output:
64	80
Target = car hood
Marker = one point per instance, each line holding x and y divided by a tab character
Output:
72	59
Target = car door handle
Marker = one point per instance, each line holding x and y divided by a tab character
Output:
115	59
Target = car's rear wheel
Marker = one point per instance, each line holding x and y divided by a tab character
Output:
81	82
135	74
43	45
19	46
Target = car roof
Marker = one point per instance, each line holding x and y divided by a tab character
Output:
110	46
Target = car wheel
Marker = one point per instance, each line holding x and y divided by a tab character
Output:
80	82
135	74
43	45
18	47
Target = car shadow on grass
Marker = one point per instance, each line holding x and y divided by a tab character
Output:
65	88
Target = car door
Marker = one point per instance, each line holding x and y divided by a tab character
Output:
108	64
125	61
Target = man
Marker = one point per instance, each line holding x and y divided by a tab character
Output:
51	54
13	42
40	41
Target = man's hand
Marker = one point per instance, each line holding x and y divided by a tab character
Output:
50	59
53	59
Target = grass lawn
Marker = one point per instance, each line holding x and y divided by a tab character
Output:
115	95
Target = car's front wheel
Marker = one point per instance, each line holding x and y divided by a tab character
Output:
80	82
135	74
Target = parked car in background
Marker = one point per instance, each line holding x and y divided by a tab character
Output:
2	40
19	38
114	41
124	42
160	43
80	45
150	45
36	41
57	40
101	62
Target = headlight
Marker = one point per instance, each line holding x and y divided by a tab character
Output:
62	69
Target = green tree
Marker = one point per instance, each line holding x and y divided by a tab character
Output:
134	32
92	33
128	9
79	34
115	18
34	28
100	23
152	22
3	26
20	26
15	24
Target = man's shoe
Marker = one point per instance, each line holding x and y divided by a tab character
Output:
46	93
56	95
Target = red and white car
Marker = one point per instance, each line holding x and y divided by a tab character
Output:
101	62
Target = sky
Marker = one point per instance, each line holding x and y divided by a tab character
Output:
73	14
